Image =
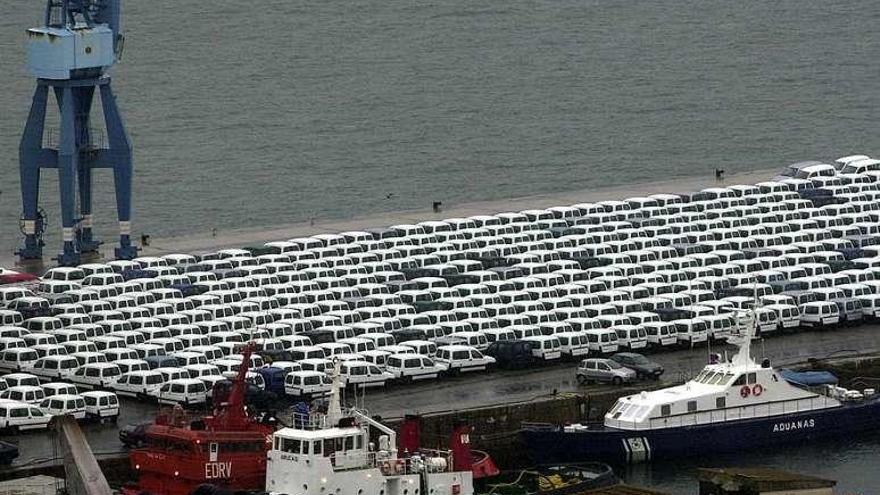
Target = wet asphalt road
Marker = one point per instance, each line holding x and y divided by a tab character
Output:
499	386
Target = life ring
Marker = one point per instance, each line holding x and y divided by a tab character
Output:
757	390
745	391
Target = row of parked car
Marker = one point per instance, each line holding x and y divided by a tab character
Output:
26	404
420	301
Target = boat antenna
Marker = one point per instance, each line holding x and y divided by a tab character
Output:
744	340
334	408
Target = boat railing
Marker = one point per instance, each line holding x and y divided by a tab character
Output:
316	420
770	409
312	421
391	465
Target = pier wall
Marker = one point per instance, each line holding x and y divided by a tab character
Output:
494	429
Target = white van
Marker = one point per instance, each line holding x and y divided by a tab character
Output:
410	367
460	358
660	334
788	315
474	339
424	347
819	314
186	391
545	347
870	305
19	416
18	359
61	405
631	336
691	331
307	384
143	384
101	405
55	367
363	374
96	375
720	326
30	394
573	344
602	341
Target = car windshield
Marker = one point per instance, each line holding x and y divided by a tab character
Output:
614	365
638	359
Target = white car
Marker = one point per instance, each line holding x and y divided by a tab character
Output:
461	358
691	331
142	384
410	367
18	359
631	336
59	388
363	374
18	416
96	375
14	379
307	384
573	344
101	405
819	314
186	391
545	347
660	333
55	367
30	394
60	405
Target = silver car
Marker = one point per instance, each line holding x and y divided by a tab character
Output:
604	370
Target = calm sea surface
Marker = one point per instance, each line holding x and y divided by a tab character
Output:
248	114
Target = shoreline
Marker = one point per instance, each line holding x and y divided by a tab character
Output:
202	242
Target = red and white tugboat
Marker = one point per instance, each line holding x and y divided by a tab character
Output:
333	453
227	449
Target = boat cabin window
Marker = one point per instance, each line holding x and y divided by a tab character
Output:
750	378
720	402
241	446
665	410
692	406
713	378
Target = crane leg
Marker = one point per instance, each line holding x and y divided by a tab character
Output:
120	147
29	169
84	97
68	157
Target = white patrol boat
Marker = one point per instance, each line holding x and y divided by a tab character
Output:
729	406
332	453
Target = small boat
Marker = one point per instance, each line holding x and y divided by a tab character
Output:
552	480
183	453
730	406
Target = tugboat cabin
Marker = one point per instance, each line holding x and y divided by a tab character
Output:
316	459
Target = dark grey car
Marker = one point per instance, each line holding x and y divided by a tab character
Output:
644	367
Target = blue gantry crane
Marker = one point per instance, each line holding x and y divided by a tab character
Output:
71	55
